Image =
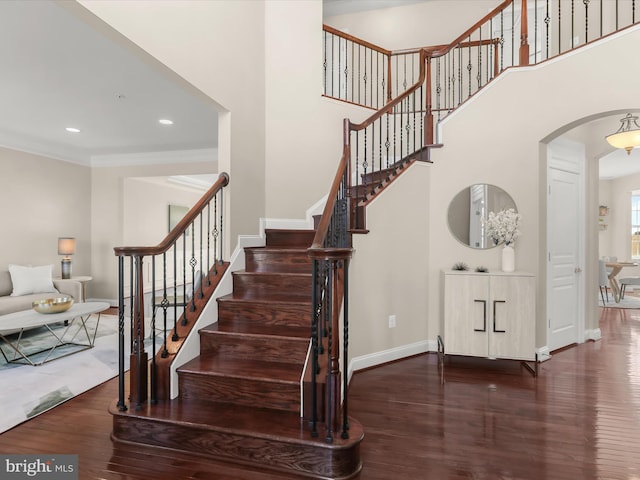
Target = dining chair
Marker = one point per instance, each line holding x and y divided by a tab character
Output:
627	281
608	260
604	281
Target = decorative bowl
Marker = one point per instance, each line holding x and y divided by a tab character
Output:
53	305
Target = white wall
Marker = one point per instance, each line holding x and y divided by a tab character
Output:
389	273
412	26
303	130
218	47
43	199
605	236
108	214
146	202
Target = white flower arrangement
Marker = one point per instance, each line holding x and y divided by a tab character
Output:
503	226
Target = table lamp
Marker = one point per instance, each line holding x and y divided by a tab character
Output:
66	247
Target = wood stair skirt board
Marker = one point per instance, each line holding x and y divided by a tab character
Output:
240	399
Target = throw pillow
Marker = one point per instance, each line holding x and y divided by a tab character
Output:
28	280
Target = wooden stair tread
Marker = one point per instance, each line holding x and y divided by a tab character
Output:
273	274
216	365
255	327
269	299
278	249
301	334
240	420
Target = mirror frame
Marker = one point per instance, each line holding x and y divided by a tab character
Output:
459	213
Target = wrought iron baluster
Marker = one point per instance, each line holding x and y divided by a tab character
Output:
372	82
324	63
121	387
559	28
501	40
479	75
359	64
165	305
345	353
387	144
215	235
315	313
586	20
352	72
330	375
513	33
547	21
377	80
572	23
379	121
459	49
333	63
202	271
339	69
175	292
152	333
535	32
438	84
469	66
208	244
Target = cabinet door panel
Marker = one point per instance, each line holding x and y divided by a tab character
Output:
466	315
512	330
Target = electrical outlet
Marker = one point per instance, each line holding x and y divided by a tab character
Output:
392	321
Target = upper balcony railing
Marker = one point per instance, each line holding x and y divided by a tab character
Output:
515	33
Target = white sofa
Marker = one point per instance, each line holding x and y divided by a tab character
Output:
10	304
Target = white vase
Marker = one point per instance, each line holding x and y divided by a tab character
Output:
508	259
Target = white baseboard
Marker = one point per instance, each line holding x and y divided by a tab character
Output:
592	334
543	353
284	224
386	356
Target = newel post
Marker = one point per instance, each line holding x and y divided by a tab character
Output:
524	35
428	118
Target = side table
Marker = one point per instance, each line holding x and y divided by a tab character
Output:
83	279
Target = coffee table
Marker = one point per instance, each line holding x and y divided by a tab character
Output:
13	325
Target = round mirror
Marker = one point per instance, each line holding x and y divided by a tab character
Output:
470	207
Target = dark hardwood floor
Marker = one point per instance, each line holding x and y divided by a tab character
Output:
580	419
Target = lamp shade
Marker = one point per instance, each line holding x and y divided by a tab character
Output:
628	136
66	246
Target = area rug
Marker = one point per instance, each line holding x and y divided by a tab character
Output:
626	302
28	391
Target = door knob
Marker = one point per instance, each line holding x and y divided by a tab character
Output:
577	270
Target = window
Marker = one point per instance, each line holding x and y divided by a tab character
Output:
635	225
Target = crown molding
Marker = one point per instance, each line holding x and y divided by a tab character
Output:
155	158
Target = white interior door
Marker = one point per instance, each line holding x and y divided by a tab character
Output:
564	242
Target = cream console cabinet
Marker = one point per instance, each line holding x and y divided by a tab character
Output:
489	315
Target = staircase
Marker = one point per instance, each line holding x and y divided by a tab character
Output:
240	400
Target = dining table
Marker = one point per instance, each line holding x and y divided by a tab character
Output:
616	268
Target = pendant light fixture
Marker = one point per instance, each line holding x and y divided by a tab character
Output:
627	136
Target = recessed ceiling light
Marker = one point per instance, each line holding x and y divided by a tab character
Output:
72	130
165	121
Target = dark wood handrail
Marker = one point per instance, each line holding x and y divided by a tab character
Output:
177	231
469	31
389	106
323	226
357	40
